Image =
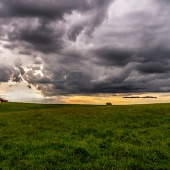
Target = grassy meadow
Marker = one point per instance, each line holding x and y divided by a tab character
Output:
85	137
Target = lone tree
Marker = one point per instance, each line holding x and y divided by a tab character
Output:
108	104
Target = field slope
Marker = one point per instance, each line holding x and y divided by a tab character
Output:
85	137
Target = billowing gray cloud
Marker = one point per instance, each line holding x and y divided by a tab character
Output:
75	30
153	68
88	46
112	57
50	10
8	73
31	78
35	23
53	9
10	46
18	64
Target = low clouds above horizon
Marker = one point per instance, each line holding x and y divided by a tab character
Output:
86	47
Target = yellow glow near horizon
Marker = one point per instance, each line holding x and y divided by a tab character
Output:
19	92
117	100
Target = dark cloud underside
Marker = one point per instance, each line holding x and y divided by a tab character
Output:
88	46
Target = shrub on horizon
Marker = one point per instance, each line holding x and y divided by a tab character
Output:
108	104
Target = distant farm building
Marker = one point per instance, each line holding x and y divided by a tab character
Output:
2	100
108	104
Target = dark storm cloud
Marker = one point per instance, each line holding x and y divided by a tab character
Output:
25	52
44	37
118	88
83	47
75	31
10	46
107	56
18	64
52	9
150	68
21	69
41	38
159	53
97	13
34	79
71	82
7	73
66	82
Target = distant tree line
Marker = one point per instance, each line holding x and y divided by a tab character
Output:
139	97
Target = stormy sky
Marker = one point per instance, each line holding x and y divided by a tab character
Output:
87	47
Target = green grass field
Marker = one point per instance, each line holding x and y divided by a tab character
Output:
85	137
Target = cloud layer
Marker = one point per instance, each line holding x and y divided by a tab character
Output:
86	47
